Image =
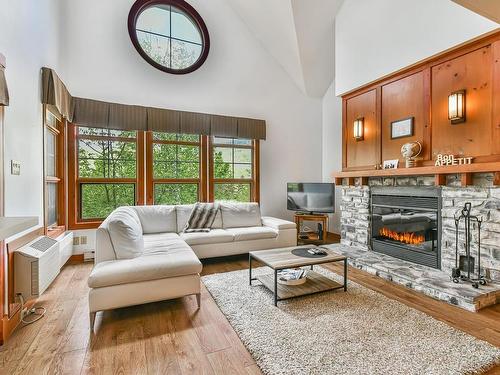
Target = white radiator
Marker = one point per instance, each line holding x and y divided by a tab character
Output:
36	265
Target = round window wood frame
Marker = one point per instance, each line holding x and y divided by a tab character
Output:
141	5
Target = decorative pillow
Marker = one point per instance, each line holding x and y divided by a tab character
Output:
238	215
202	217
126	234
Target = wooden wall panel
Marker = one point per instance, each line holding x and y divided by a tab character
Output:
495	50
402	99
472	72
363	154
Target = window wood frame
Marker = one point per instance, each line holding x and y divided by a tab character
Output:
144	180
75	182
254	181
50	229
151	180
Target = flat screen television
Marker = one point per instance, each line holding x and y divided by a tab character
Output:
311	197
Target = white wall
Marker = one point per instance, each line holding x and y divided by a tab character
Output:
375	38
239	78
332	147
29	40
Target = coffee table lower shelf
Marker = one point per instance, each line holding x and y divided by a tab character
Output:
315	283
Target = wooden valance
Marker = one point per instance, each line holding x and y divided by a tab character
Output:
99	114
4	92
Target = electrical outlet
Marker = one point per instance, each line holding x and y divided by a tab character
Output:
76	241
83	240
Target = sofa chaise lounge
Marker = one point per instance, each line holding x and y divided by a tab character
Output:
142	254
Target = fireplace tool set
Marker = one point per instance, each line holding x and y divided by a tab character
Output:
464	264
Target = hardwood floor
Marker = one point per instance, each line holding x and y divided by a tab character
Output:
172	337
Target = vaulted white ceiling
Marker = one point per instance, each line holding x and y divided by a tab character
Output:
299	34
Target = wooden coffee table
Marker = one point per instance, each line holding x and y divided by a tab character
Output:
279	259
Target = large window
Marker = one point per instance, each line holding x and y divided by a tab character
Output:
54	213
175	173
107	172
110	168
233	169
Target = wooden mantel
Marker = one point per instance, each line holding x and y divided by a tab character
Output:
439	173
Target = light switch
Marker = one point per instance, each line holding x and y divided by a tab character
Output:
15	167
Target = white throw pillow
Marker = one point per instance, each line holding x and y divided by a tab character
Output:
125	231
238	215
157	219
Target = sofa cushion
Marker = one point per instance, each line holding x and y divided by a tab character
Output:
125	232
252	233
212	237
237	215
183	213
157	219
217	224
165	255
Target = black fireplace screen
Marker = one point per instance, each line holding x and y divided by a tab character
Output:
406	225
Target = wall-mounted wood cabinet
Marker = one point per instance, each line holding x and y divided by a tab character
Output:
365	153
421	92
401	99
472	73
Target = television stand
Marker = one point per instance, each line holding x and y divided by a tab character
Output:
311	237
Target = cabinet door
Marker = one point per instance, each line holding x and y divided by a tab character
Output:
365	153
471	72
404	99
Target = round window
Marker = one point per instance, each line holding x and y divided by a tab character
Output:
169	34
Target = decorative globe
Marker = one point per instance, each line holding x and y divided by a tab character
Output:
410	151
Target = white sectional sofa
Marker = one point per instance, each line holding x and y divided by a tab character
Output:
142	254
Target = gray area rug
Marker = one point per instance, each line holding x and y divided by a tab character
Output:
358	332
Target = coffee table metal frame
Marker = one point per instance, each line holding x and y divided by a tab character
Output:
318	261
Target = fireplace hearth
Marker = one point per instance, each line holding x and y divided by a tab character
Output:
406	223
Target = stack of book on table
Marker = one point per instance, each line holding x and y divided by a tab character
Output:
292	276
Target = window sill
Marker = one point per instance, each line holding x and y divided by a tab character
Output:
56	231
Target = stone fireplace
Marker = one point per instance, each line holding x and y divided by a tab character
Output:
403	229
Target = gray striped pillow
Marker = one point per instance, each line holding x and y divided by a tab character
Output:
202	217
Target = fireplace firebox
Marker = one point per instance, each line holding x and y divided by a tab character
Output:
406	223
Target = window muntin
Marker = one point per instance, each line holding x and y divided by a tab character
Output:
169	34
176	168
106	171
233	169
53	173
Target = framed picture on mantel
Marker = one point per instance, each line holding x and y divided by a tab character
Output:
402	128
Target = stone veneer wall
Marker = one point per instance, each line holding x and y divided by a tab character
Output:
485	199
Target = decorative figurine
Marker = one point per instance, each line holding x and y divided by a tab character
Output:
410	151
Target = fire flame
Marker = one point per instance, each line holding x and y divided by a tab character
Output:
405	237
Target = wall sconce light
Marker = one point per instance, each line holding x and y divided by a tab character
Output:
359	129
456	107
